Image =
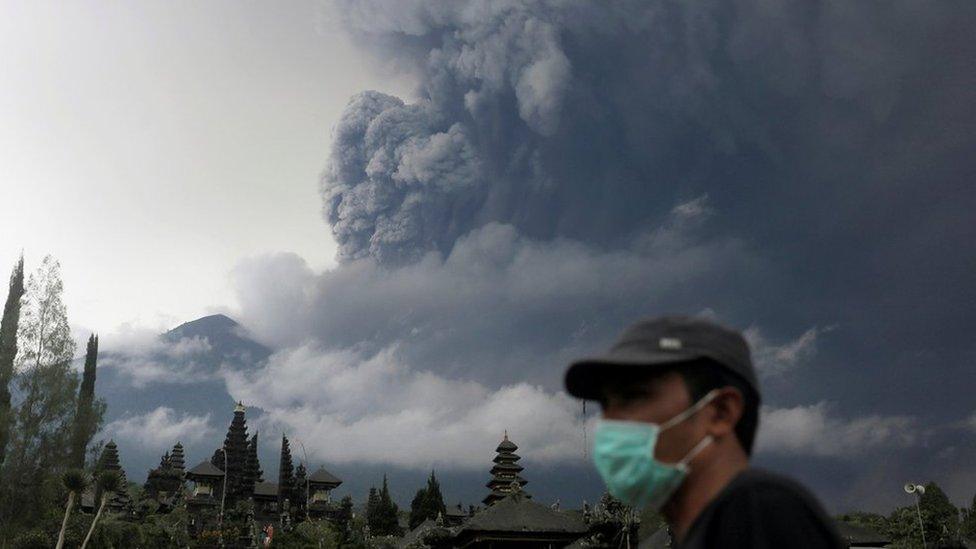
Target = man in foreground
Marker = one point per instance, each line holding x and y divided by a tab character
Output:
680	406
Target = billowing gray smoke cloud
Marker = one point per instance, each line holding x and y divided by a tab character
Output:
500	307
588	119
568	165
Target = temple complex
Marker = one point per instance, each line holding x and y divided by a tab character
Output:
233	476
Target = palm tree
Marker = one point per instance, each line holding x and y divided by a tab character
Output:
109	483
76	482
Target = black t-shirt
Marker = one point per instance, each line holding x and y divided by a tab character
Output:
760	509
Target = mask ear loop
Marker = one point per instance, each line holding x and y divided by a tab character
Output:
696	450
692	410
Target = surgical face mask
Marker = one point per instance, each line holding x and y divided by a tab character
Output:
624	456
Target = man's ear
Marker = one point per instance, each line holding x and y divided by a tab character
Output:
726	410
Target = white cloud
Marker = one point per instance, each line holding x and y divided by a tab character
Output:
160	428
145	357
971	422
697	207
172	363
348	406
817	430
772	360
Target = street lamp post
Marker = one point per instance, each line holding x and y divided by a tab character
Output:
307	473
223	494
918	490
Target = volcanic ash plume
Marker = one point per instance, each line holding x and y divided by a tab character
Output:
589	119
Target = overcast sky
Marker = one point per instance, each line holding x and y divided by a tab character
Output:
150	146
427	208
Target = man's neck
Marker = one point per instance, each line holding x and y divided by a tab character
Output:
701	487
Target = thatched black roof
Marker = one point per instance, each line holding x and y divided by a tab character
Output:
204	470
516	513
321	476
266	489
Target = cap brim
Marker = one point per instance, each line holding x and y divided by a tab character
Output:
584	378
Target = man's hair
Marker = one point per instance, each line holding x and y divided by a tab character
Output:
700	377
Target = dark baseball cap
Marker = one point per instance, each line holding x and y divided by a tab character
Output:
663	342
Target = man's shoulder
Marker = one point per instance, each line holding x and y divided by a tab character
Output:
759	508
761	482
755	476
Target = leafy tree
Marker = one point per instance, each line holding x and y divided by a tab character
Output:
344	519
939	518
45	406
355	537
46	381
428	503
8	349
939	515
311	534
968	527
32	539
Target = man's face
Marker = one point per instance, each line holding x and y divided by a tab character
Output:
656	400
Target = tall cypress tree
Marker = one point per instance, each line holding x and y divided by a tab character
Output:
387	522
428	503
8	349
435	500
286	475
86	417
373	519
217	459
417	515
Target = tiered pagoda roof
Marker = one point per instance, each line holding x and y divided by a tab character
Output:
109	461
252	467
176	458
505	474
204	472
236	448
323	479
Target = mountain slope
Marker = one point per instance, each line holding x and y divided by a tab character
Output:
170	389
